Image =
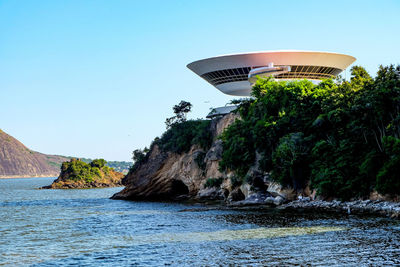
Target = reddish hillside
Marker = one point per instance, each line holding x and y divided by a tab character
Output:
16	160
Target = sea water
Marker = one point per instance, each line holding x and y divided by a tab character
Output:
79	227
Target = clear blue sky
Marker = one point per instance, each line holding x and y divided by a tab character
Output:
98	78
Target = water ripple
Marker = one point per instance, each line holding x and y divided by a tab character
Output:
84	227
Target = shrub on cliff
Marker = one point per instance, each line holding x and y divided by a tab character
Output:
139	156
181	136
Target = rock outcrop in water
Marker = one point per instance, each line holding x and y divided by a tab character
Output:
78	174
16	160
172	176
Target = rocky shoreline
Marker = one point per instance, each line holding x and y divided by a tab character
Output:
278	200
360	207
75	185
367	207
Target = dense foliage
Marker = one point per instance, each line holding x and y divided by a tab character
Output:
341	138
77	170
181	136
119	166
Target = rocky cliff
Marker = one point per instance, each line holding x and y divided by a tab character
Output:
16	160
195	175
166	175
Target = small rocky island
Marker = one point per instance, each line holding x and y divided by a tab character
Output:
78	174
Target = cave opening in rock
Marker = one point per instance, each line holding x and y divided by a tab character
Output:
178	188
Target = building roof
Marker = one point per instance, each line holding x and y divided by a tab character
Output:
220	111
229	73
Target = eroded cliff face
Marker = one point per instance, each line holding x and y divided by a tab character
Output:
171	176
166	175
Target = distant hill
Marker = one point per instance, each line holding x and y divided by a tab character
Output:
16	160
120	166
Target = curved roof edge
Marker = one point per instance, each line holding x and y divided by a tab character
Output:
330	59
272	51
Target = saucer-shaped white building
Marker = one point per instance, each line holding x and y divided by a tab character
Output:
235	74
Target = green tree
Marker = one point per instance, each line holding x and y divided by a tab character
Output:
181	110
139	155
388	178
360	78
99	163
289	159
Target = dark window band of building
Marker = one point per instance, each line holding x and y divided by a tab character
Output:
296	72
